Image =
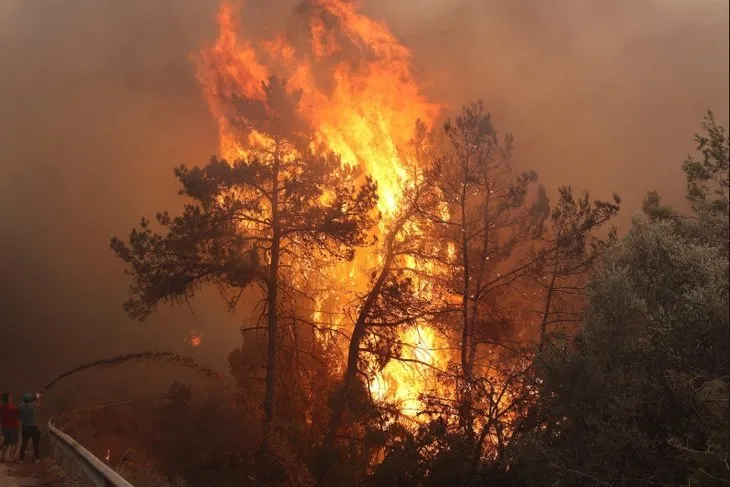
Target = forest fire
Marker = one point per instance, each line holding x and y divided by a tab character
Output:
416	306
401	381
359	98
357	90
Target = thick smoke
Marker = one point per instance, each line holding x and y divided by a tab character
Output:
602	94
99	103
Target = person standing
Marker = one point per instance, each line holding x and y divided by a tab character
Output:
9	418
31	432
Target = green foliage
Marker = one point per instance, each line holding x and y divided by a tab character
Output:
707	459
708	180
641	397
707	189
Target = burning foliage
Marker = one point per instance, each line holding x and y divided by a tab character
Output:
408	281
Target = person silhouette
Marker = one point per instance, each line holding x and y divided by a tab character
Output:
9	419
31	432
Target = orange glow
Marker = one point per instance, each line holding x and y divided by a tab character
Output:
363	108
401	382
360	99
195	338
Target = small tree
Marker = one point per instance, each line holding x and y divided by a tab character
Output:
570	251
489	218
259	221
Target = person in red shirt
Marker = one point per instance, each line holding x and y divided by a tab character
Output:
10	419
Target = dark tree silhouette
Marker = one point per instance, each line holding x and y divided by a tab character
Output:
261	220
570	250
392	302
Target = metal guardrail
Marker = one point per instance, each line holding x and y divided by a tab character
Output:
80	464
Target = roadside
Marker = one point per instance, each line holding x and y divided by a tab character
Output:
11	477
43	474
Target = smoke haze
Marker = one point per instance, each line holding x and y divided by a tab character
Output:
98	103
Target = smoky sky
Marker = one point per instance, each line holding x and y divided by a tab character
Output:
98	103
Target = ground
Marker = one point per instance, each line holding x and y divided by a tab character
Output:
43	474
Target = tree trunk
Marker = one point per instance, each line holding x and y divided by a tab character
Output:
271	297
467	332
548	301
349	381
468	420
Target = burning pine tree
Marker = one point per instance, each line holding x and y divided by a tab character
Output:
340	213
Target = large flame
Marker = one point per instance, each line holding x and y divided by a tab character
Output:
361	100
358	92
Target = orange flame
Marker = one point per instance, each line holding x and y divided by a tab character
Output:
360	98
402	381
363	104
194	338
